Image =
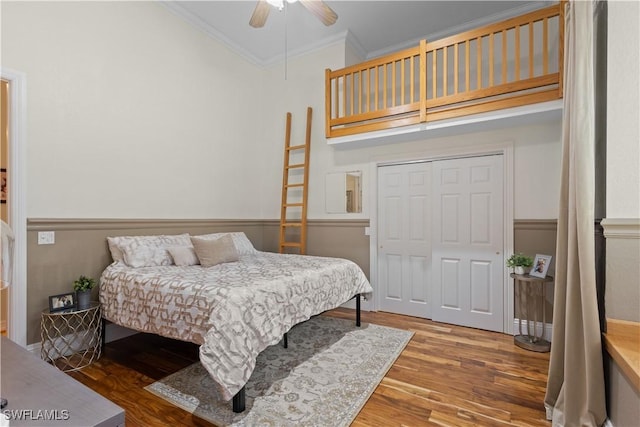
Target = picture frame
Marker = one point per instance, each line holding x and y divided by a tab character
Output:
3	185
62	302
540	266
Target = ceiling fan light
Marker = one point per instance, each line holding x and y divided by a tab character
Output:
279	4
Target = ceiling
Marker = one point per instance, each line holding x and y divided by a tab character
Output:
372	28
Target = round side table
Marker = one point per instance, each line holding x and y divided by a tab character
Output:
531	296
71	339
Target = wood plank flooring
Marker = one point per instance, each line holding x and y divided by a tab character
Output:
446	376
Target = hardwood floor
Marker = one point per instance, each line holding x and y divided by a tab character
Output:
447	376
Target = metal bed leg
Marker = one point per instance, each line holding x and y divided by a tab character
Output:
358	310
103	332
285	341
238	401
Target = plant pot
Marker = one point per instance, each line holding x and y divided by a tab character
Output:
518	269
84	299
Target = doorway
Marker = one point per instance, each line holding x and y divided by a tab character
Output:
16	184
441	240
4	212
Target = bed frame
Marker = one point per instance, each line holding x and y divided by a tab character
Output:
239	398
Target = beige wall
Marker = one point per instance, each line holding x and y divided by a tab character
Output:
133	113
161	134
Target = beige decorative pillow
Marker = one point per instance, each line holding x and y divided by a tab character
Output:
242	242
214	252
183	255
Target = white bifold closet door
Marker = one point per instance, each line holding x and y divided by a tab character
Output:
468	268
404	238
440	240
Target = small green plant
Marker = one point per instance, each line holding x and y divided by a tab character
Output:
519	260
83	283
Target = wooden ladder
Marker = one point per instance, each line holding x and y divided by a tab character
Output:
289	238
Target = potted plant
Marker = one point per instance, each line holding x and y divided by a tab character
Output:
519	262
83	285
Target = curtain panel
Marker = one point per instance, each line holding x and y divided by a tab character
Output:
575	389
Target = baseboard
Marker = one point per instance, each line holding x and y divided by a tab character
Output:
547	327
35	348
3	325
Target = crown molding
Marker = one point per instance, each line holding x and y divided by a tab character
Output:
353	42
196	21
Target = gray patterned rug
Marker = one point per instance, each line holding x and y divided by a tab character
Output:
323	379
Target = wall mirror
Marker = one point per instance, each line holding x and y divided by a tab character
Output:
343	192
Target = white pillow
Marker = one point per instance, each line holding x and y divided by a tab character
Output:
240	240
144	255
183	255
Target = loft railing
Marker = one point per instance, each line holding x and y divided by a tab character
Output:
508	64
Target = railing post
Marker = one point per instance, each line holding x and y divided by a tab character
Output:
561	23
327	102
423	81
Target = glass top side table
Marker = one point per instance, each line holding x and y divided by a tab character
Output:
530	298
71	339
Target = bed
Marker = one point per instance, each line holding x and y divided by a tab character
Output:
234	309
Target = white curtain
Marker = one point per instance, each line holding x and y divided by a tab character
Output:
575	388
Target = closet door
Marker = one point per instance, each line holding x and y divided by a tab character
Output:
468	242
404	238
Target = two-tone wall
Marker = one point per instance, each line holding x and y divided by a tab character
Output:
133	114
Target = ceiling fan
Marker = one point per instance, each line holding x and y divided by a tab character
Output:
317	7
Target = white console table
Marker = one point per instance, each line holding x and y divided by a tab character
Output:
40	395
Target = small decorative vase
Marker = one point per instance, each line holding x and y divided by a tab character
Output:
518	269
84	299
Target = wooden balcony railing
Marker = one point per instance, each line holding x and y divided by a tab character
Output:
503	65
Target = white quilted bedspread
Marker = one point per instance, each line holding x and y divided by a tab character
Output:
233	310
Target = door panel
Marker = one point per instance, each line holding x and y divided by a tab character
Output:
467	242
404	238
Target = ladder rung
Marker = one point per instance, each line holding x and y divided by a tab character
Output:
297	166
296	147
290	245
293	205
291	224
294	185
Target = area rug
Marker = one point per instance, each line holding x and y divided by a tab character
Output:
323	378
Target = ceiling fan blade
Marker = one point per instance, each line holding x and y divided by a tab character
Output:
321	11
260	14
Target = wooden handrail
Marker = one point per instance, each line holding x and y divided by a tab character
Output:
475	71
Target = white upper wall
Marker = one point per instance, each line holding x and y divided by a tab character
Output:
623	110
132	113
